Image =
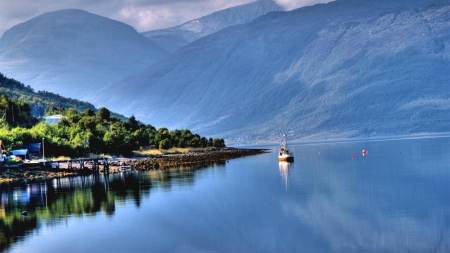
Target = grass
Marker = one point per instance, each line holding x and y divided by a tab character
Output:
174	150
162	151
61	158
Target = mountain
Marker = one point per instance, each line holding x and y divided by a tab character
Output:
73	52
176	37
343	69
40	102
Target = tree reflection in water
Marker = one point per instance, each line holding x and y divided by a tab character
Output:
53	200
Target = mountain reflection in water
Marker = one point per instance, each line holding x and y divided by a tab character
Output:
332	198
53	200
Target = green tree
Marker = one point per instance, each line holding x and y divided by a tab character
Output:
88	123
133	124
164	144
88	112
103	114
52	110
118	140
16	113
219	143
204	142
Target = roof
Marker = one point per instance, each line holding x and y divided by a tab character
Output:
53	119
19	152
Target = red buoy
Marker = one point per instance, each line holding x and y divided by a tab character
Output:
364	152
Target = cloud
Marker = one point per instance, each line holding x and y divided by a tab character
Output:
294	4
143	15
162	14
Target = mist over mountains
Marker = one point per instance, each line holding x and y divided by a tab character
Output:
171	39
73	52
343	69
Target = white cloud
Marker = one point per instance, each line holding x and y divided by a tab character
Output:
294	4
143	15
157	15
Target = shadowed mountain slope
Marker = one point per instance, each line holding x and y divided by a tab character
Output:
73	52
343	69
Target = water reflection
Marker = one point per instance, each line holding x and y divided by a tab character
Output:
390	200
284	171
50	201
395	199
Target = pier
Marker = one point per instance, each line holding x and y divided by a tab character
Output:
83	166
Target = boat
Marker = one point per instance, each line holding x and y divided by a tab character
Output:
123	166
284	154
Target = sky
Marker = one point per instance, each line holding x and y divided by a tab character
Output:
143	15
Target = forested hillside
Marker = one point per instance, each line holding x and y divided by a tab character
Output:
83	129
78	134
41	101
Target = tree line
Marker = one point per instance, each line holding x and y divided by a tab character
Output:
41	101
79	133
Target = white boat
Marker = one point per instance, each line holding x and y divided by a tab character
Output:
123	166
284	154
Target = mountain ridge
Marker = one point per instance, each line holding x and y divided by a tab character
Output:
342	69
174	38
74	52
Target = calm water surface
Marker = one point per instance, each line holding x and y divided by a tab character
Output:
395	199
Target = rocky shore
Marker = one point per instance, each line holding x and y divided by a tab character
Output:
43	171
168	161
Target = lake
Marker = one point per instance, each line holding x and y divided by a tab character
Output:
394	199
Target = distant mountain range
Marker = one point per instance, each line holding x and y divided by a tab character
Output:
343	69
349	68
73	52
171	39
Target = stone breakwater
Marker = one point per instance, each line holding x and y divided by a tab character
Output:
167	161
10	175
28	171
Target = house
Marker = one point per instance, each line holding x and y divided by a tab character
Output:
22	153
54	119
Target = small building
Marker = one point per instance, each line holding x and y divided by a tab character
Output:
35	149
54	119
22	153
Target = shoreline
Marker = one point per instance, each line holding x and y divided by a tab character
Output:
40	171
308	141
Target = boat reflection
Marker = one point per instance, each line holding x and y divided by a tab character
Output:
284	172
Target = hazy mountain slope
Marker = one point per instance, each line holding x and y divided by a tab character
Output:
176	37
347	68
73	52
41	101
